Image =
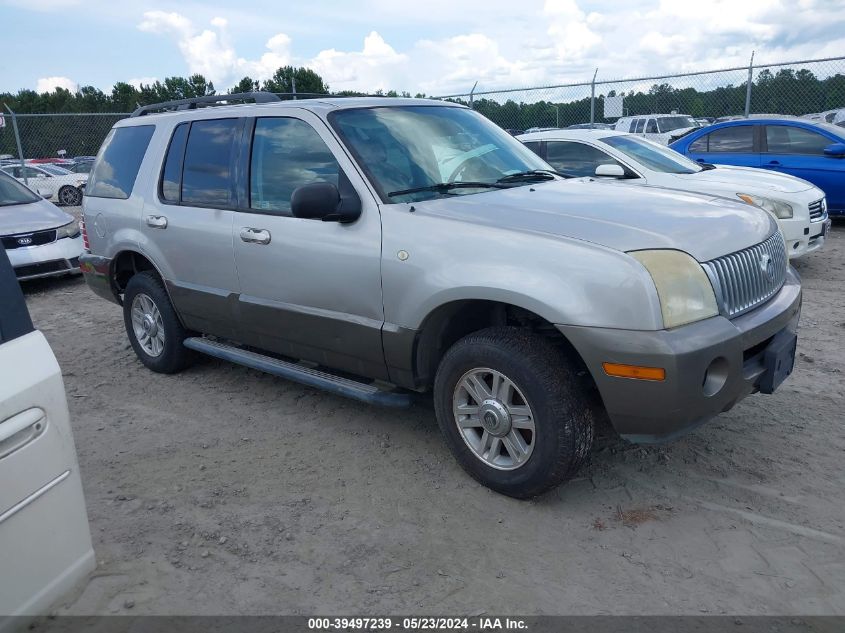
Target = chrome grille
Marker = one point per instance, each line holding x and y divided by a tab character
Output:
747	278
817	210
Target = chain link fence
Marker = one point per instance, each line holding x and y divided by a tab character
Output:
796	88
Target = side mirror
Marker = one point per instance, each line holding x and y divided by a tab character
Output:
837	150
610	171
323	201
40	175
44	193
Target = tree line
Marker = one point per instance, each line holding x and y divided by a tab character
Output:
785	92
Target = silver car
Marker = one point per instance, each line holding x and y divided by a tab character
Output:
383	248
40	239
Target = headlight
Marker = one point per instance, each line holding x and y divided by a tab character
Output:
779	209
71	229
683	287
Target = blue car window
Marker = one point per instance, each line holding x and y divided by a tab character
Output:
699	145
784	139
735	139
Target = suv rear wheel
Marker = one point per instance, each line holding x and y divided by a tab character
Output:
151	323
513	411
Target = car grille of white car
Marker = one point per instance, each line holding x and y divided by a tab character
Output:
817	210
747	278
25	240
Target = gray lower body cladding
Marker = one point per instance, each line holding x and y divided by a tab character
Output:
710	366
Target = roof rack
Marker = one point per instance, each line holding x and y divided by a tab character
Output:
191	104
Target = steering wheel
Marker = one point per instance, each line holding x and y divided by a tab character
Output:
461	167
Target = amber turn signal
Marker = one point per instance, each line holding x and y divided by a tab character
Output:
634	371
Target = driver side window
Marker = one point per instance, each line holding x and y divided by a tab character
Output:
286	154
652	127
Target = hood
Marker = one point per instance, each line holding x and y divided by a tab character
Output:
615	215
28	218
749	177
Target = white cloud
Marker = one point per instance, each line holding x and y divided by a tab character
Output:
211	52
540	42
142	81
377	66
49	84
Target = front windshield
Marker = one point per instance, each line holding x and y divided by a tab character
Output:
413	147
669	123
655	157
13	192
56	171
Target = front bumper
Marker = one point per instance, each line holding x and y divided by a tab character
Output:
60	257
710	366
809	240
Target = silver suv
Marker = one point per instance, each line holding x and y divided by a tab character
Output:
382	248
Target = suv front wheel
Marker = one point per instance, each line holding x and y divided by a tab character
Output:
513	411
152	325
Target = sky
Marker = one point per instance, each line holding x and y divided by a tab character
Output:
436	47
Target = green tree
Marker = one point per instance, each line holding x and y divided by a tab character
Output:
307	81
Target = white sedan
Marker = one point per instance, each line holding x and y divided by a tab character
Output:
40	239
53	182
799	207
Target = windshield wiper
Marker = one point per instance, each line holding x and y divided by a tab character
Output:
534	174
444	187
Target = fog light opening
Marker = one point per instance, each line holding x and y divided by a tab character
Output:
715	376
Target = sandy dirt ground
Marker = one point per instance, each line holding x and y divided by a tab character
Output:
222	490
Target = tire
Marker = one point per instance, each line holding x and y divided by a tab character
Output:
146	295
70	196
559	405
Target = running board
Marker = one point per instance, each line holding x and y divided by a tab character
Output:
297	373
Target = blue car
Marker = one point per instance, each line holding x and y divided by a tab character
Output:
810	150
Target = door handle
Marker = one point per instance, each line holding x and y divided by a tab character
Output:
13	433
699	160
774	163
157	221
255	236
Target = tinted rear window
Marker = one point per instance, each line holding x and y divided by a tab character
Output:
171	175
208	157
118	162
784	139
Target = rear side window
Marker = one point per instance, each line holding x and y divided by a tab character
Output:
737	139
651	128
118	162
206	174
286	154
640	125
633	126
784	139
171	175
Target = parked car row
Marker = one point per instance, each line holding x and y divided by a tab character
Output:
798	206
53	181
811	150
835	117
